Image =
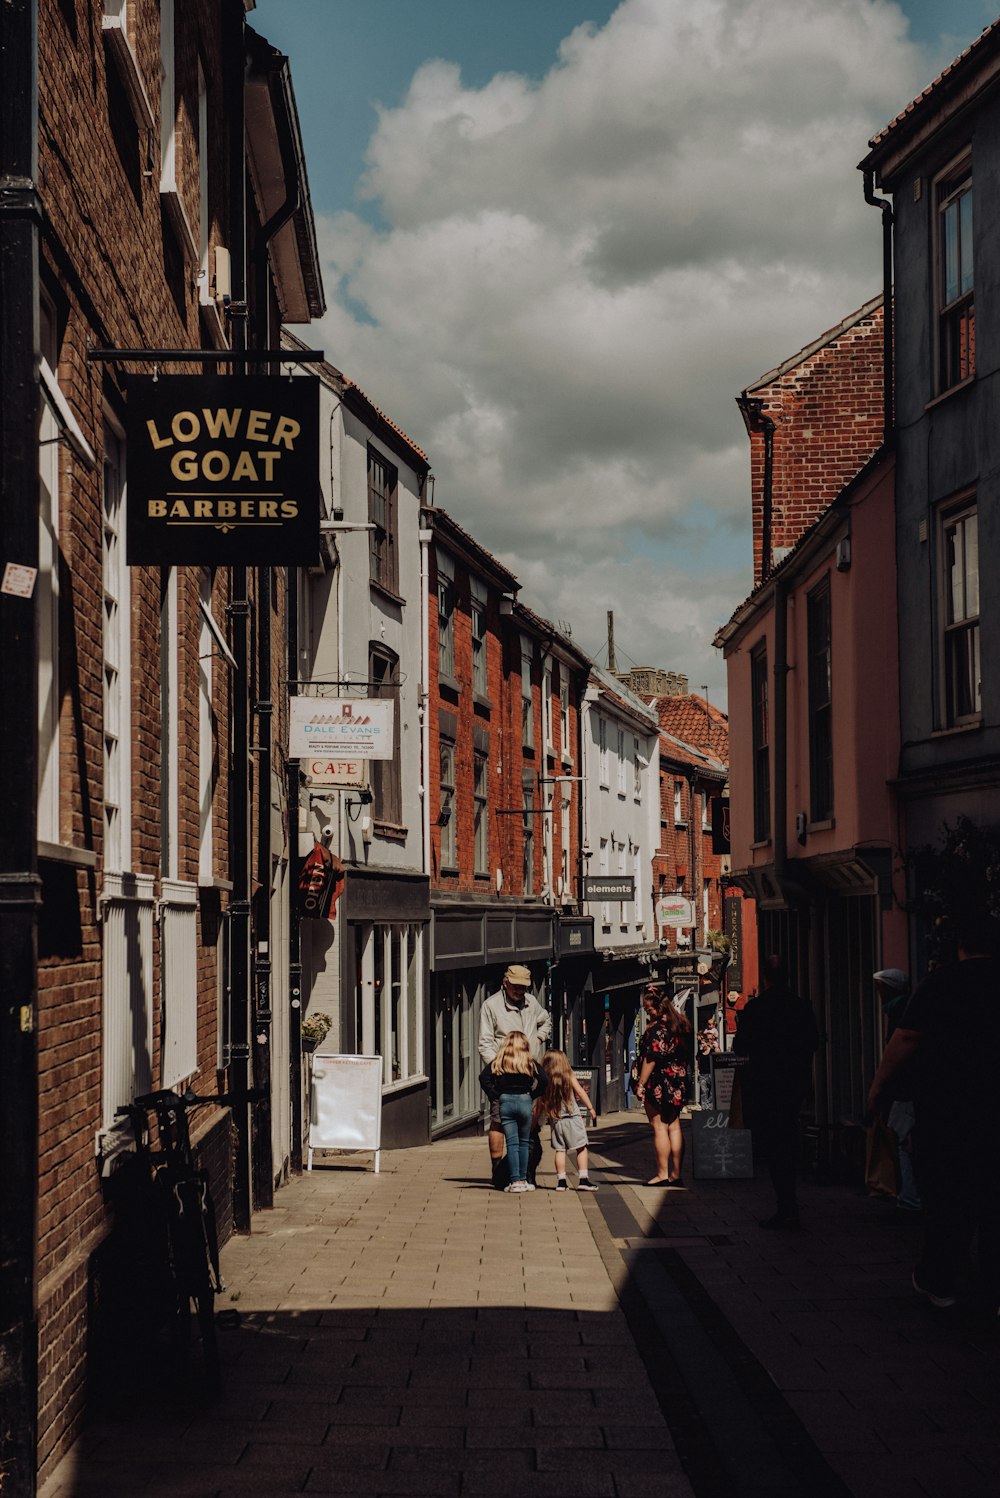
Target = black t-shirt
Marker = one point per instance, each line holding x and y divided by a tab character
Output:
957	1013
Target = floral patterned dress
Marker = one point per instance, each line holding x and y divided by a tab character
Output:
667	1084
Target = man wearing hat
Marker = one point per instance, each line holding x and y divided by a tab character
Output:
512	1007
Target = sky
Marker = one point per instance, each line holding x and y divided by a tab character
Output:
559	237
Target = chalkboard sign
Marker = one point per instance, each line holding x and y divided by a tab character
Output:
720	1153
345	1105
587	1079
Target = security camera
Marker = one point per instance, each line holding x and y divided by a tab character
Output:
329	830
587	851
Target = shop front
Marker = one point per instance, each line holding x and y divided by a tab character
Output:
470	948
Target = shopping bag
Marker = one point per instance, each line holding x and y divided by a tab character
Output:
881	1159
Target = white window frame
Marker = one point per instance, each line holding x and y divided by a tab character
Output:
622	872
117	656
169	188
527	701
169	731
449	831
565	747
565	803
621	763
604	771
206	733
481	823
604	868
478	614
115	25
636	770
400	947
679	803
547	705
47	597
639	891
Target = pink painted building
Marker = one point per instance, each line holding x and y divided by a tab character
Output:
814	735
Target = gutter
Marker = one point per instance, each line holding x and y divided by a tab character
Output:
887	317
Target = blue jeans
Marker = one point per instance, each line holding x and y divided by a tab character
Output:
515	1120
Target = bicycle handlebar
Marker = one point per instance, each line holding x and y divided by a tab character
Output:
167	1098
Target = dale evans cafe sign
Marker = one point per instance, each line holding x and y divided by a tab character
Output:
222	470
331	728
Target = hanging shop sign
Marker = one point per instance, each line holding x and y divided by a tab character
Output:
323	770
609	887
675	910
733	923
721	833
332	728
222	470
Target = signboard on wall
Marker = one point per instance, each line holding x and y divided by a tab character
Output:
609	887
732	915
675	910
222	470
721	839
322	770
340	728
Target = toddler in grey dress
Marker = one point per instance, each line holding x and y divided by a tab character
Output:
560	1104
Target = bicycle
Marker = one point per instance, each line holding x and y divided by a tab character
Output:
188	1215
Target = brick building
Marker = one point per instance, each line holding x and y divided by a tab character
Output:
140	838
813	422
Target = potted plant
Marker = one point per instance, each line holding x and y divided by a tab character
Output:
315	1028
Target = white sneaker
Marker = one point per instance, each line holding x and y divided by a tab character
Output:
530	1186
517	1186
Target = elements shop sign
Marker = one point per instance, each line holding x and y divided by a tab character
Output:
609	887
331	728
223	469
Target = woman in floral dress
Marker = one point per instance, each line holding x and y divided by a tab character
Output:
663	1082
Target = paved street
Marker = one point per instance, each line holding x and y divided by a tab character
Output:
417	1333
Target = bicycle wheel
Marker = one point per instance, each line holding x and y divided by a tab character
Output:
195	1281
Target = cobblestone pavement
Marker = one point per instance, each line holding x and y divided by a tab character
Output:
417	1333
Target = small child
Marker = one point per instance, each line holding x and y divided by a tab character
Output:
560	1104
513	1078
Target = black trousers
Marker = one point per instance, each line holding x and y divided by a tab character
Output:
961	1200
775	1129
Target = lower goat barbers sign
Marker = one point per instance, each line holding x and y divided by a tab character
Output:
222	470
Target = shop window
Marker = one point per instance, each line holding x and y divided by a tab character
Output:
820	704
382	505
960	642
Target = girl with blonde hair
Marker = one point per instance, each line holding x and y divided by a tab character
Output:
513	1079
560	1104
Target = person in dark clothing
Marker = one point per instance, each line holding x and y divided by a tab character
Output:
955	1104
777	1034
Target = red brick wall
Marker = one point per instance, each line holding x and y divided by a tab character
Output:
828	415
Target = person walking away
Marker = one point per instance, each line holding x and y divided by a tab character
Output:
560	1104
777	1034
892	987
512	1007
514	1079
663	1080
958	1130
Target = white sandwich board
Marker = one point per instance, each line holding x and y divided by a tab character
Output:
345	1104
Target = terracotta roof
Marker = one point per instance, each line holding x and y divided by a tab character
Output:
674	751
914	106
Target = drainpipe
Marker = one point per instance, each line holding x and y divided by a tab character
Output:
20	216
238	611
294	919
262	1150
757	421
426	535
887	312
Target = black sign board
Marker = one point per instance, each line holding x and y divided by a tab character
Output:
222	470
720	825
609	887
733	919
724	1069
587	1078
719	1152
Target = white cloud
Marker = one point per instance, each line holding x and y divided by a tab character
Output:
578	275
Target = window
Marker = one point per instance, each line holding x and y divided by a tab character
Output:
449	832
481	825
637	881
169	181
602	744
820	705
604	868
960	587
480	678
547	706
117	24
622	913
621	762
636	770
547	836
390	1001
206	733
761	754
204	222
47	595
446	616
527	707
564	841
564	743
382	482
169	730
386	774
706	812
528	840
956	308
679	801
117	659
